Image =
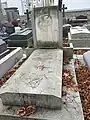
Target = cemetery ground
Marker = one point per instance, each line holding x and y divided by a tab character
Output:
82	75
83	80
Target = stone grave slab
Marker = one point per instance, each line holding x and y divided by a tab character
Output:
8	61
3	46
37	81
46	27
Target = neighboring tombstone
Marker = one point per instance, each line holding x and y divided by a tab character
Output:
79	36
22	38
87	26
28	18
64	18
3	46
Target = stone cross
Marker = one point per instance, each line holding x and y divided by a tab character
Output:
64	10
28	18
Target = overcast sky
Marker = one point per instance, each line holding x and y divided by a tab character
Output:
71	4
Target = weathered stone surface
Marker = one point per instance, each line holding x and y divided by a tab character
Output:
71	107
3	46
28	51
68	51
79	42
22	38
79	36
37	81
79	32
47	27
21	35
3	54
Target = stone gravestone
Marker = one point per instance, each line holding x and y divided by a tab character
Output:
46	27
39	80
3	46
21	39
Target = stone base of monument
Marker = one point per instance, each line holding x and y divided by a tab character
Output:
71	104
9	58
37	81
68	51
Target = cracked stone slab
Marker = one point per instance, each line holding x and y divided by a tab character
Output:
71	107
38	81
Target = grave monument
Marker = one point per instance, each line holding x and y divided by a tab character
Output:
39	80
22	38
79	36
43	85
